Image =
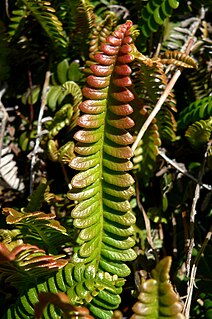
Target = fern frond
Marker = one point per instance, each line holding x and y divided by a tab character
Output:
38	227
82	284
100	33
68	113
178	58
200	80
200	109
103	187
150	83
157	298
199	133
84	20
145	155
100	187
17	21
59	300
153	15
25	264
44	13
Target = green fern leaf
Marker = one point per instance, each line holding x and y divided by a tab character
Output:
158	299
151	82
153	15
199	133
26	264
38	227
105	164
146	153
200	109
45	15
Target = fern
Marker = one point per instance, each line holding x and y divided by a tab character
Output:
199	132
26	264
153	15
150	83
45	15
178	34
101	188
38	227
103	213
157	298
178	58
60	300
145	165
9	170
81	283
200	109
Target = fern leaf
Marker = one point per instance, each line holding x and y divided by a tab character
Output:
153	15
151	82
60	300
83	22
81	283
24	263
105	164
200	109
178	58
157	298
103	185
38	227
68	113
17	20
101	188
146	153
45	15
199	132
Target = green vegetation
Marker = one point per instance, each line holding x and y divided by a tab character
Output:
106	159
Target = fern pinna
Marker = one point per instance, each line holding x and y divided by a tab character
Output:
101	188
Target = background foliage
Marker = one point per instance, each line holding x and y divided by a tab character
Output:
49	191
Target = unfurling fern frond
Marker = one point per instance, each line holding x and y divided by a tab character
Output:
178	58
153	16
200	109
199	133
157	298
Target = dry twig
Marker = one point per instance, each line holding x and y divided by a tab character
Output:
35	151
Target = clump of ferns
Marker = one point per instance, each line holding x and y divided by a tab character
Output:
177	37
